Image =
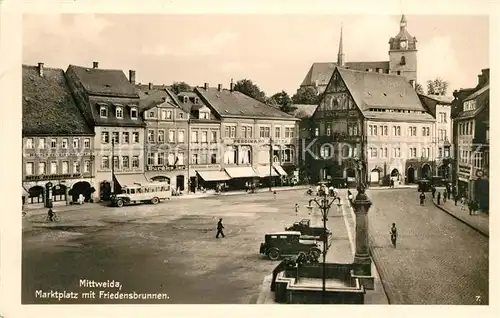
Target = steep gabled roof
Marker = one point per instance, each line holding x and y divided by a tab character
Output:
151	97
482	98
48	105
104	82
232	103
304	111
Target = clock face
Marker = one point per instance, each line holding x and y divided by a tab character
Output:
403	44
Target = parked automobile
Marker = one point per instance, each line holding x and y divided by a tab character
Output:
309	232
287	243
438	181
424	185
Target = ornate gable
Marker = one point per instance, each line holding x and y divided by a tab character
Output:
336	84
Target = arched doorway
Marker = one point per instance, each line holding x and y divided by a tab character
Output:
105	190
426	171
180	182
375	176
160	179
84	188
59	193
36	194
410	174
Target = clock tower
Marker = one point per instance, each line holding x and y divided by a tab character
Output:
403	54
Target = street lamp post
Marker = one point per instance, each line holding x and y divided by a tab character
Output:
324	205
112	166
270	162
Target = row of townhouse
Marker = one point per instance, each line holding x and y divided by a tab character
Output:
89	131
471	124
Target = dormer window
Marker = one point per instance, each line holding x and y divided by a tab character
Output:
119	112
185	99
151	114
204	115
196	100
103	111
133	113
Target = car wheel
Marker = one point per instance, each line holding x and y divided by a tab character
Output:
119	203
274	254
315	252
155	200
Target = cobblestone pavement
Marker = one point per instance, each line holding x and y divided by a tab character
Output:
479	220
438	259
170	247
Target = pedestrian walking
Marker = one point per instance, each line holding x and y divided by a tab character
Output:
470	207
296	209
439	197
433	190
220	227
445	195
455	197
274	194
422	198
394	234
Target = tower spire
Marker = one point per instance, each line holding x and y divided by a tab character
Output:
340	55
402	23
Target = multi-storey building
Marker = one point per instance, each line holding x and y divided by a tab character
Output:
472	143
439	106
249	129
167	129
304	113
377	120
110	102
402	61
58	144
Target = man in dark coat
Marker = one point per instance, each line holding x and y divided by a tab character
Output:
422	198
220	227
439	198
433	190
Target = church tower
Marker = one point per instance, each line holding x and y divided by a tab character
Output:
340	55
403	54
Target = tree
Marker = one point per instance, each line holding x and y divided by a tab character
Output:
248	88
178	87
284	102
437	87
306	95
419	89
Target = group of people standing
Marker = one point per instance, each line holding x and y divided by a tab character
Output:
451	192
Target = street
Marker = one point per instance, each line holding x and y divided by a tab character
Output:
171	248
438	260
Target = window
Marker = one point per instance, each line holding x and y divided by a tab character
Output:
151	135
65	143
289	132
103	111
426	131
180	115
135	137
53	143
29	143
213	158
249	132
116	162
370	127
125	137
478	160
399	72
180	136
104	137
403	61
65	167
86	166
328	130
86	143
426	152
440	152
41	143
53	167
442	134
233	132
29	168
151	159
226	132
412	152
180	158
105	162
171	159
316	132
194	159
213	136
169	114
133	113
326	151
135	162
161	135
374	130
204	136
163	114
125	162
161	158
116	137
385	152
119	112
373	152
412	131
42	168
204	115
76	167
277	132
194	136
397	152
151	114
265	132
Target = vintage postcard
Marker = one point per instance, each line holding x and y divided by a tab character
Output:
311	157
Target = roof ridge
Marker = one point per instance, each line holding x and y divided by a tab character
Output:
99	69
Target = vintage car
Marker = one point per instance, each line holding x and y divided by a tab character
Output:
310	232
288	243
424	185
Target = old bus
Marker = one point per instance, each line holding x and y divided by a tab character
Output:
153	192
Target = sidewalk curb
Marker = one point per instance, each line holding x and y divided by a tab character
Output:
461	220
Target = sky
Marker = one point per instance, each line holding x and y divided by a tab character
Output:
274	51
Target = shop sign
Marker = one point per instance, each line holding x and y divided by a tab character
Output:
464	172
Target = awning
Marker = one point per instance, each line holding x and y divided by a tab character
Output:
131	179
263	171
213	175
241	172
280	170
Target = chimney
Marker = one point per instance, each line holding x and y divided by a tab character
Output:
205	86
96	65
219	87
131	76
231	86
40	69
150	86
